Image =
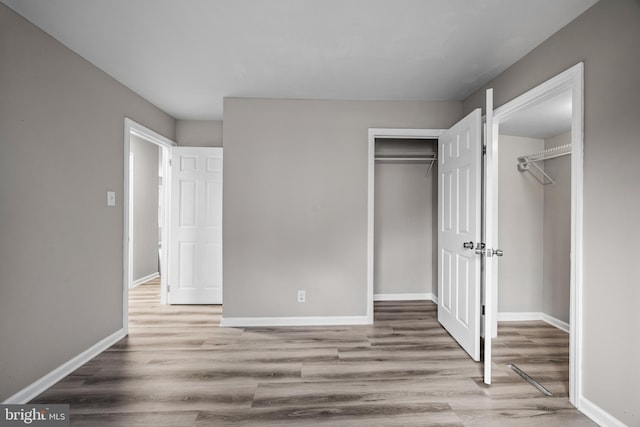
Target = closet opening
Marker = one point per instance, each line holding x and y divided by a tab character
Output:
402	217
405	219
534	231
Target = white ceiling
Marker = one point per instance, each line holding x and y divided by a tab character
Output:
186	55
543	120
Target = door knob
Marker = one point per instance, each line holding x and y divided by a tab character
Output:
467	245
498	252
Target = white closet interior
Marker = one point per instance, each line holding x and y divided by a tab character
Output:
405	219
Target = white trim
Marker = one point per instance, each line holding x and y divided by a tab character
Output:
373	134
48	380
404	297
144	279
488	168
560	324
573	80
133	128
507	316
533	315
597	414
132	225
247	322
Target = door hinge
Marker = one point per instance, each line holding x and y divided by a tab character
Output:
170	163
168	288
484	150
483	307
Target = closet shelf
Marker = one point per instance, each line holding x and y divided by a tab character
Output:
524	162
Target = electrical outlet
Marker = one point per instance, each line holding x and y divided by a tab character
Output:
302	296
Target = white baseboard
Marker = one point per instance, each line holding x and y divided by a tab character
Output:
42	384
144	279
404	297
597	414
533	315
248	322
518	316
564	326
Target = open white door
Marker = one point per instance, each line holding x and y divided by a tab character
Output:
490	209
459	228
195	228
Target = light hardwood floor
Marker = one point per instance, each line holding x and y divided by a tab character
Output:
178	368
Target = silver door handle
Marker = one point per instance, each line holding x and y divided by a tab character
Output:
498	252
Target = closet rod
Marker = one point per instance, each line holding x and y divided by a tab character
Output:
525	162
389	158
406	157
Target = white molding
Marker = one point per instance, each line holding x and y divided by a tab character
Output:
48	380
373	134
248	322
145	279
404	297
597	414
562	325
527	316
572	80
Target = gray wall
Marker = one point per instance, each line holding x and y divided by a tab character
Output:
557	233
145	207
61	255
606	38
295	201
404	216
520	229
199	133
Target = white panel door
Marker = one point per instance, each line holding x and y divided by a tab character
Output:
195	226
459	228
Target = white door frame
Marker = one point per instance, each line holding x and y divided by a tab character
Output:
375	133
133	128
571	79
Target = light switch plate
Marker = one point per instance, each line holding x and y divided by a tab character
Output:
111	198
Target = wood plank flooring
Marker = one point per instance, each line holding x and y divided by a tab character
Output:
179	368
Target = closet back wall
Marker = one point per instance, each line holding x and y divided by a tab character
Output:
557	233
404	219
520	228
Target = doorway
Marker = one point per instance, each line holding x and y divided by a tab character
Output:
145	259
146	210
386	137
405	219
534	204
